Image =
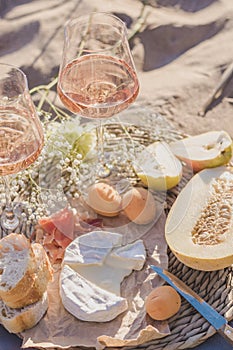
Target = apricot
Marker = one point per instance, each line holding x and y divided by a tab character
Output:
139	205
162	303
104	199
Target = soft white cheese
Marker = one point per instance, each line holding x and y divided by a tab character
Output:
86	301
97	261
91	248
131	256
105	267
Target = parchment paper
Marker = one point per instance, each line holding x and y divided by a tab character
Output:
133	327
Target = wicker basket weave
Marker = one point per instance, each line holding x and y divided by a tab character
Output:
188	328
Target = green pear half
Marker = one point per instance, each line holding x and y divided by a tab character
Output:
157	167
207	150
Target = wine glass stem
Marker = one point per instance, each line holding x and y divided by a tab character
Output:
9	219
103	169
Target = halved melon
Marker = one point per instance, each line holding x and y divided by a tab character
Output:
199	226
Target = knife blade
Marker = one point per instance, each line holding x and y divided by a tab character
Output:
209	313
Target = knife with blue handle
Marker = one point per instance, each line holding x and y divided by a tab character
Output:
210	314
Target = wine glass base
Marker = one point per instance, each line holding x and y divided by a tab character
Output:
103	171
125	138
23	222
9	219
114	173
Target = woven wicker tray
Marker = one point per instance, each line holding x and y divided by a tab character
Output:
188	328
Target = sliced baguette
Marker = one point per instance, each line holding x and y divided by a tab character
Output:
42	276
18	320
17	266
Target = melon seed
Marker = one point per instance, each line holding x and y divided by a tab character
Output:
215	218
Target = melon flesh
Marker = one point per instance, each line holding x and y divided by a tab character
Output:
199	226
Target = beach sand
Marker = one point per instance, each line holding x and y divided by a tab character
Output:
180	51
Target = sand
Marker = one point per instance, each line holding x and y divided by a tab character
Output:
180	53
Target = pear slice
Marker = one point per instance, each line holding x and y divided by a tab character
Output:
207	150
157	167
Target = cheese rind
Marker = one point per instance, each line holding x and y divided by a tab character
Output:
91	248
93	268
131	256
105	262
86	301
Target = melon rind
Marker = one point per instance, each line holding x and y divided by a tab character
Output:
183	216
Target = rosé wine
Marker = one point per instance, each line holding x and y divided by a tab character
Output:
21	140
97	86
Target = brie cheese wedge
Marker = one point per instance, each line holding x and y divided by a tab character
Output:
106	267
91	248
93	268
86	301
131	256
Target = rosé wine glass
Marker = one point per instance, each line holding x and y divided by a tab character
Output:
97	77
21	133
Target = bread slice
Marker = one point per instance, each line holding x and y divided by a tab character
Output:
17	266
18	320
42	276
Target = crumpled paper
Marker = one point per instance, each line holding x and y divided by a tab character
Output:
60	329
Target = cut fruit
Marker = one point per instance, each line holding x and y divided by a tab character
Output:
139	205
158	168
199	226
104	199
208	150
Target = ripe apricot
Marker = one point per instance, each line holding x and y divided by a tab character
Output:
139	205
104	199
162	303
